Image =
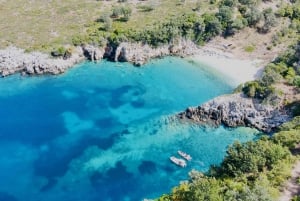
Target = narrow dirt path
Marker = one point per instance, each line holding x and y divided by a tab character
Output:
292	188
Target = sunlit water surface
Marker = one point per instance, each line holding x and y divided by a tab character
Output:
103	131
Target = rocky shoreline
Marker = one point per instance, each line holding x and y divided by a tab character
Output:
237	110
14	60
230	110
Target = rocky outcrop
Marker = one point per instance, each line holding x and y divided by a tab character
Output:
237	110
13	60
139	54
92	53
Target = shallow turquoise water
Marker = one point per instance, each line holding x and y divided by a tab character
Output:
103	131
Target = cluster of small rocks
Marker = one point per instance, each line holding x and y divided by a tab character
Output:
237	110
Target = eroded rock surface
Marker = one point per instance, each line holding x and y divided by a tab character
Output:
237	110
139	54
13	60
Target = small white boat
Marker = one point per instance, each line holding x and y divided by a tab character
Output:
184	155
178	161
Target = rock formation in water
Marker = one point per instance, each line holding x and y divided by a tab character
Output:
237	110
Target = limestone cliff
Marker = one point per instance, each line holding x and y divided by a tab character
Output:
14	60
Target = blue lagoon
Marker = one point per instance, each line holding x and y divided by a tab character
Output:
105	131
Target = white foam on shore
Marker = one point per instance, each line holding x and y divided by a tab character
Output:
236	71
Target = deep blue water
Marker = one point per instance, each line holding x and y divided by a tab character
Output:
103	131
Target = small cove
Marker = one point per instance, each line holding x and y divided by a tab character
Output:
103	131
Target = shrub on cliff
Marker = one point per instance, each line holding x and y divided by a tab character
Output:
269	21
60	51
121	11
251	158
213	26
288	138
257	89
250	171
289	134
296	81
189	26
253	16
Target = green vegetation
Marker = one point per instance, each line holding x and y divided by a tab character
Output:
36	25
296	198
249	48
285	69
253	170
96	22
249	171
193	24
289	134
44	25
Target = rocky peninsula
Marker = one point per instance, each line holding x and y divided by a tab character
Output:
237	110
14	60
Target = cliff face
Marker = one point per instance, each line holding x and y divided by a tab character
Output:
139	54
13	60
237	110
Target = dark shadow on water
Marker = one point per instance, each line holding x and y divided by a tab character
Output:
7	197
127	94
138	103
147	167
55	162
105	143
115	183
51	183
153	132
117	94
106	122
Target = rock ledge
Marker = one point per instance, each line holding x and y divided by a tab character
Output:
237	110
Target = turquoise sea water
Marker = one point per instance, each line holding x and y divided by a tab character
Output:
103	131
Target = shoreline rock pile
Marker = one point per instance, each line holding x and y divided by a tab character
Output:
237	110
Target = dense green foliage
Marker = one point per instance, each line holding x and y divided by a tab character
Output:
255	89
190	25
249	159
289	134
286	68
250	171
253	170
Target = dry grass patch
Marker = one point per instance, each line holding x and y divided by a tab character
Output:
37	24
42	25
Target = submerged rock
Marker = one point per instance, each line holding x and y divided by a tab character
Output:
237	110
